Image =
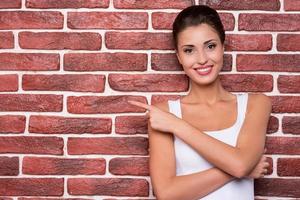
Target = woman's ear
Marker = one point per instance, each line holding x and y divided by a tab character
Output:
178	57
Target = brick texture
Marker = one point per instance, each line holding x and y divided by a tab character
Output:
149	82
29	61
32	186
108	186
108	145
62	166
31	145
31	20
107	20
105	62
66	82
9	166
67	125
69	67
291	125
12	123
8	83
67	4
60	40
6	40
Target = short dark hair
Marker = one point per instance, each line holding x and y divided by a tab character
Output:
196	15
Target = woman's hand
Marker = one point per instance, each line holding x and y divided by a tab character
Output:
159	119
260	169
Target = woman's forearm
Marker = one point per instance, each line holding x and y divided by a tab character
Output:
193	186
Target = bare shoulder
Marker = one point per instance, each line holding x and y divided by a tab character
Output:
259	101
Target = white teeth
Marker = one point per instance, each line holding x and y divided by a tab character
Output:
203	69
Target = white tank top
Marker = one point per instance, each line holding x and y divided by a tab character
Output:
189	161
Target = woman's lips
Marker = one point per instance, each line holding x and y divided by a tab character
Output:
205	70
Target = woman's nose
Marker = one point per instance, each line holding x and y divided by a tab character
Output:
201	58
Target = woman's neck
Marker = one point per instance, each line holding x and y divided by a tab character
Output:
208	94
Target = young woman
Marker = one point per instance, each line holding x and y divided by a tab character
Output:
210	143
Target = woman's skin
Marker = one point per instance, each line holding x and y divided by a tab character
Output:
200	52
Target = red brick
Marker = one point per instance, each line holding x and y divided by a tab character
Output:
108	145
283	145
130	125
9	83
288	42
108	186
105	62
31	20
6	39
291	5
40	198
108	20
63	166
103	104
285	104
138	40
273	125
65	82
162	98
278	187
60	40
5	198
163	20
247	82
29	61
37	198
149	82
288	84
246	42
9	166
270	167
268	62
269	22
169	62
31	102
10	4
288	166
291	125
32	186
32	145
129	166
12	123
242	5
152	4
67	4
68	125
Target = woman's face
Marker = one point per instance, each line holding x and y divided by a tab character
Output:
200	52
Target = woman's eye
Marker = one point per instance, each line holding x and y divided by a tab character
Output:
188	50
211	46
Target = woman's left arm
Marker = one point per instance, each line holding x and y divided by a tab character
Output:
241	159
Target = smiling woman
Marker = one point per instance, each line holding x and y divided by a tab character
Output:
210	143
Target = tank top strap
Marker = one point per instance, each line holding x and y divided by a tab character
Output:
174	107
242	105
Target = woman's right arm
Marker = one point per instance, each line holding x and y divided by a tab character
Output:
163	172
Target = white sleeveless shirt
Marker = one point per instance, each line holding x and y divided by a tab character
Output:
188	161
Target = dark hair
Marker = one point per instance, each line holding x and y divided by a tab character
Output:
196	15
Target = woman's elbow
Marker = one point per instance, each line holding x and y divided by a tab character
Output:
241	170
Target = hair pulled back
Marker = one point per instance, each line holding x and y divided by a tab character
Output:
196	15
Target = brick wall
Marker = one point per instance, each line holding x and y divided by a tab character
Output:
68	68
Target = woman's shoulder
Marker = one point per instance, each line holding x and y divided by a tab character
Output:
259	101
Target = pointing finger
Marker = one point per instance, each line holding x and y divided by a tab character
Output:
139	104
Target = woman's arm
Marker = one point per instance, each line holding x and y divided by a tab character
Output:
240	160
163	172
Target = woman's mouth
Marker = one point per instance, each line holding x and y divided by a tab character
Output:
205	70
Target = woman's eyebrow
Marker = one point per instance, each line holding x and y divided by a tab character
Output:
187	45
208	41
